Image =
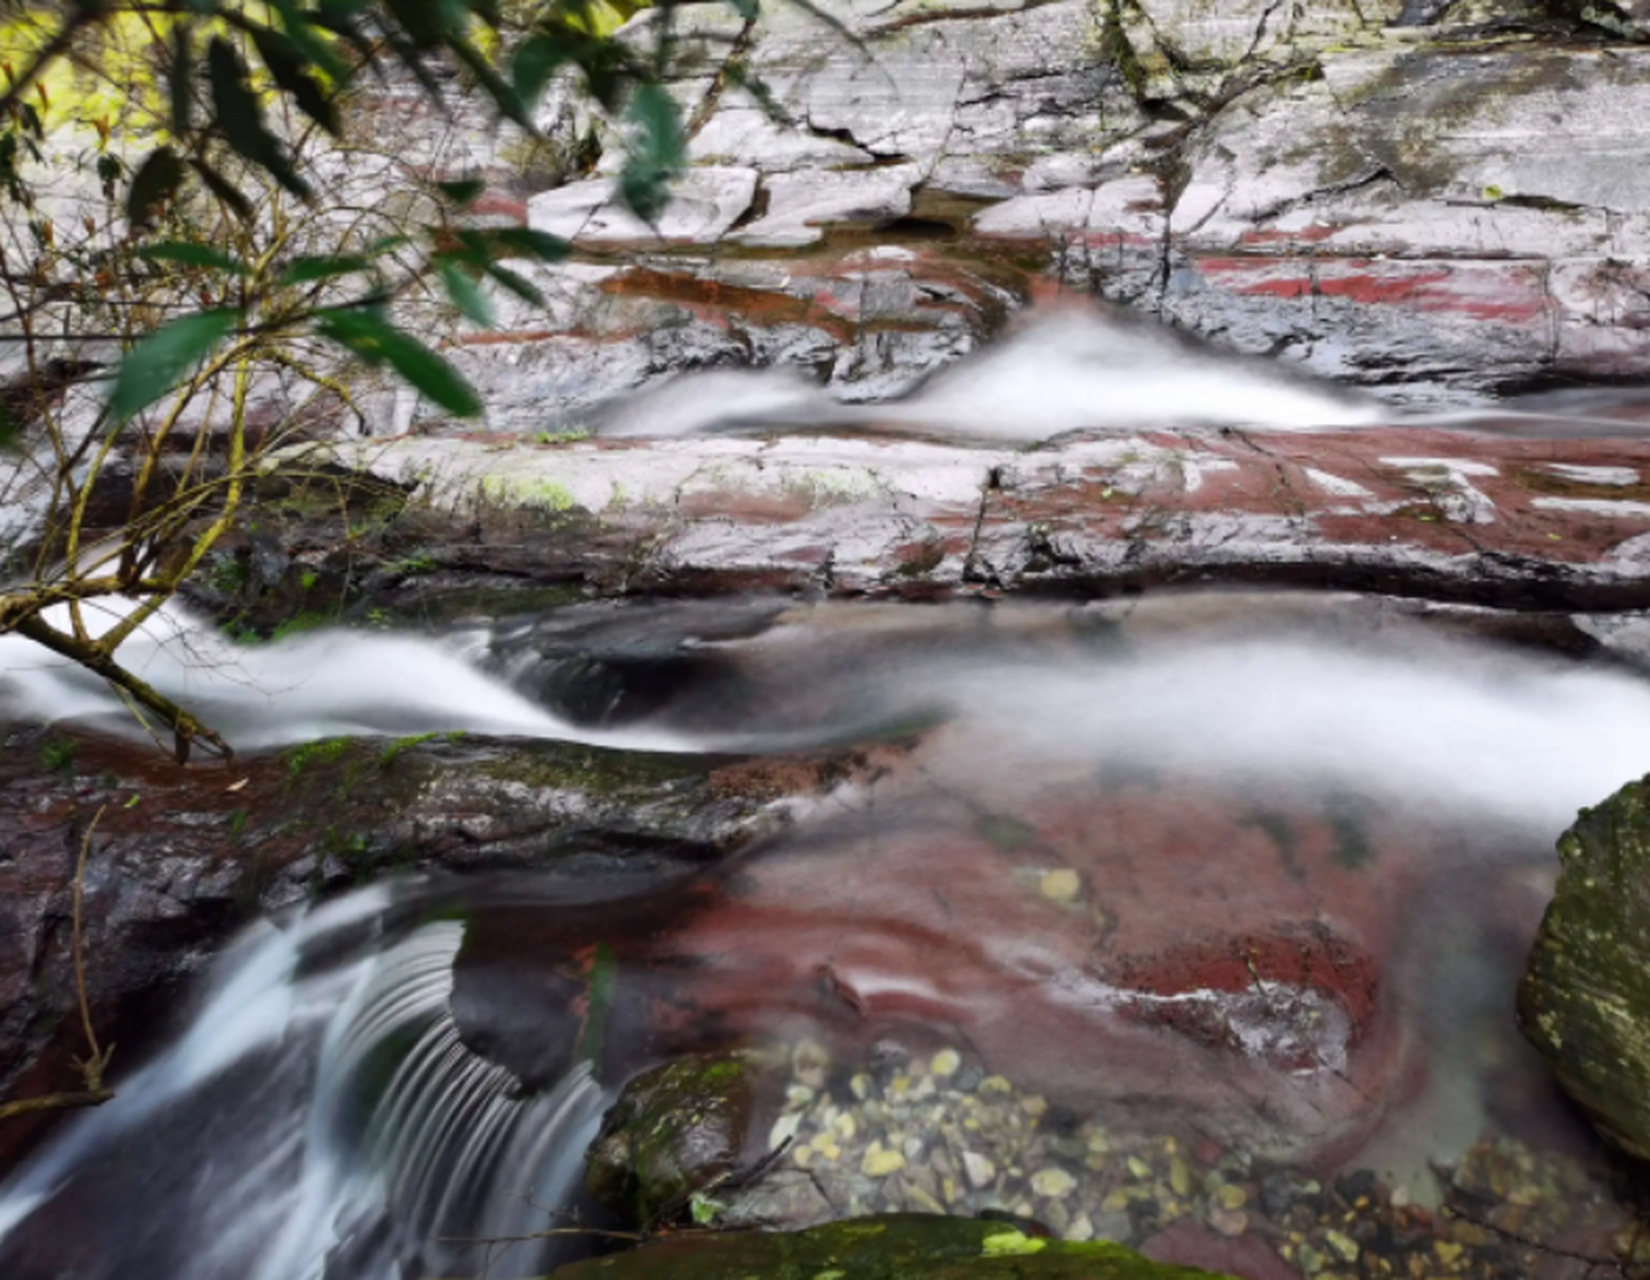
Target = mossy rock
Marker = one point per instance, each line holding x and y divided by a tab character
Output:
896	1246
1585	998
677	1130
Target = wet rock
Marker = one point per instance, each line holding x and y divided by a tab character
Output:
888	1247
677	1130
1585	998
1469	517
183	857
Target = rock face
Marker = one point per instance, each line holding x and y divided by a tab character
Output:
1437	200
1585	1000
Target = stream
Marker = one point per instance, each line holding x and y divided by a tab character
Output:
1233	888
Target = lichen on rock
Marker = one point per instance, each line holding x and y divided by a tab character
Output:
1585	998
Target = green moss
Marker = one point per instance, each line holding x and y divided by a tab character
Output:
1585	998
596	770
528	491
391	753
311	754
887	1247
1352	848
57	754
1006	831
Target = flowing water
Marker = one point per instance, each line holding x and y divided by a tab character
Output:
1253	872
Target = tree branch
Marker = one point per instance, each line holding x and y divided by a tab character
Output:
95	658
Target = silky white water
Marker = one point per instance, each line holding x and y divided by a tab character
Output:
320	1117
315	685
362	1137
1064	370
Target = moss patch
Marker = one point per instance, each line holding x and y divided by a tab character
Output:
1585	998
888	1247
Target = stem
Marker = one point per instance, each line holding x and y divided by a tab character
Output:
96	659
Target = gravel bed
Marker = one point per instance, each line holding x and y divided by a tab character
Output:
938	1134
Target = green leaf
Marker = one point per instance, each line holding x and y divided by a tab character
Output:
241	119
301	27
524	242
223	188
377	341
427	22
191	255
410	58
466	294
151	368
749	10
535	61
523	288
181	83
463	191
156	181
498	88
656	154
387	244
286	65
11	435
321	267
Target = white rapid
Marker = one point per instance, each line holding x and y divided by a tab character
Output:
314	685
1466	730
319	1117
1063	370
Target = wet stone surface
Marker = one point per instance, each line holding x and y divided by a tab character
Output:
896	1132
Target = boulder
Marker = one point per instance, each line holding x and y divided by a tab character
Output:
679	1130
1585	998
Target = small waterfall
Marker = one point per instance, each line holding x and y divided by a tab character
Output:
319	1118
1063	370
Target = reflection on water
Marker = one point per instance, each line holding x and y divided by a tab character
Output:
1191	872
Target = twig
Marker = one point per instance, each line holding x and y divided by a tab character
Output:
92	1066
97	1060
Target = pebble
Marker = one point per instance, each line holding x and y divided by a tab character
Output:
979	1170
784	1129
1228	1222
1061	885
1343	1246
808	1062
937	1134
880	1162
1053	1182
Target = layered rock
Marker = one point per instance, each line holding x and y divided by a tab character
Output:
1465	517
1435	200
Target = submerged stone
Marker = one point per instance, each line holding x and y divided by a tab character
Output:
887	1247
677	1130
1585	998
